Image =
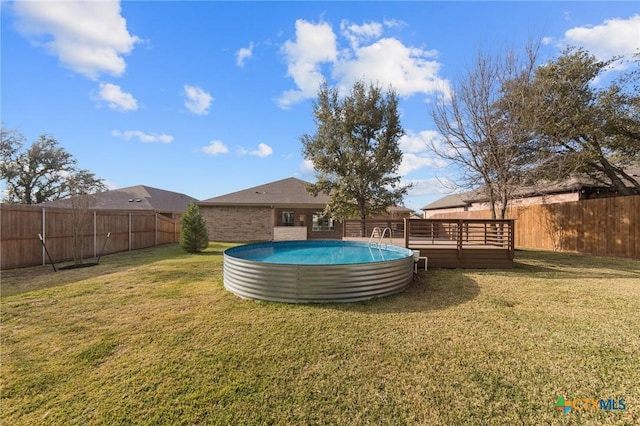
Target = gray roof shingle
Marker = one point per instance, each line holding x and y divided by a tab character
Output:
290	191
571	184
449	201
139	197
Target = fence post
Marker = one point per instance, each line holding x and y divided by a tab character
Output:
44	237
95	235
155	237
129	231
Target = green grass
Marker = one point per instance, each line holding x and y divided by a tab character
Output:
152	337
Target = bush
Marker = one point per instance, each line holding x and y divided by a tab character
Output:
194	235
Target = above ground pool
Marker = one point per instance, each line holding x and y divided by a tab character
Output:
316	271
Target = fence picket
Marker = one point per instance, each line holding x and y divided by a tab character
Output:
20	225
601	226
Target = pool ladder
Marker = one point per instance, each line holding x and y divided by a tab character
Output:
379	232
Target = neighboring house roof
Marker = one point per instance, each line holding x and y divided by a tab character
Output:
450	201
399	210
139	197
289	192
572	184
395	212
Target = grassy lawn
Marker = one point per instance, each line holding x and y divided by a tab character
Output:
151	336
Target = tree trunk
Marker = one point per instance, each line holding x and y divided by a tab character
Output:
363	217
612	174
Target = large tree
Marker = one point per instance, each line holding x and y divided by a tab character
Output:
42	172
581	124
481	127
355	151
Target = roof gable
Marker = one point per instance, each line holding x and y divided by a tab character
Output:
290	191
449	201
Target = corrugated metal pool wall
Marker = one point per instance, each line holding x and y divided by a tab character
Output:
316	283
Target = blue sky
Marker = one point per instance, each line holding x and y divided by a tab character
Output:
207	98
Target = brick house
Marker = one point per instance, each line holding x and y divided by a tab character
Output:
280	210
571	189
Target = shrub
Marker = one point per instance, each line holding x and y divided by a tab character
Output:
194	235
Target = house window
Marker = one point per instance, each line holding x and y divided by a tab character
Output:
322	222
288	219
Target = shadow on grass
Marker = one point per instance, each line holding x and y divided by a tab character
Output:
429	291
23	280
555	265
209	253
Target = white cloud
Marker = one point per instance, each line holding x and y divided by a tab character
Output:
430	186
215	148
611	38
263	150
418	142
115	98
87	37
142	136
110	185
409	70
423	142
243	54
198	101
412	162
314	44
385	61
394	23
360	33
415	151
307	170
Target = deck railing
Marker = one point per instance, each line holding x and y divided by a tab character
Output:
439	232
460	232
364	228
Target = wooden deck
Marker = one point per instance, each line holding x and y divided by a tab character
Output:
468	257
448	243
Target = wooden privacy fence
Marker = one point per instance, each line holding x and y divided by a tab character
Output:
130	230
601	227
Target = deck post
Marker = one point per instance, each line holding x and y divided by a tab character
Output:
406	232
459	240
485	233
512	238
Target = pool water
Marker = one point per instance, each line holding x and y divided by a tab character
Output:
318	253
